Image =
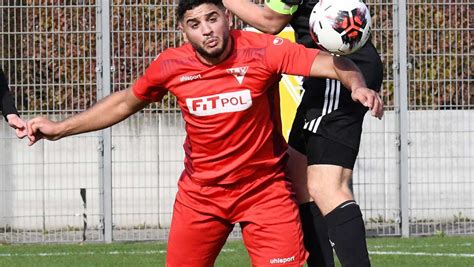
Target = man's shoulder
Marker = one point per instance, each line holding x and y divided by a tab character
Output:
251	39
183	51
171	62
173	59
247	35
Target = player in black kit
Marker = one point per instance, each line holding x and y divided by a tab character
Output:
325	137
8	109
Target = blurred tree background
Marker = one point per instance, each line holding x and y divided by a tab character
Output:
49	50
441	49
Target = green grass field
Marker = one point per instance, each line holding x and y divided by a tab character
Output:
386	252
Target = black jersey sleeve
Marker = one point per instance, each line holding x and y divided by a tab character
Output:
7	102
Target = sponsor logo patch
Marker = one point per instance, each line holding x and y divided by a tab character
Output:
220	103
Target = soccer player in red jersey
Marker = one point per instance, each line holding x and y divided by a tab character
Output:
225	82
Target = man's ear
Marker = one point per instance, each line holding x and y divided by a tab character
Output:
181	29
230	18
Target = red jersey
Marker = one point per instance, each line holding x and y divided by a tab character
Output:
230	110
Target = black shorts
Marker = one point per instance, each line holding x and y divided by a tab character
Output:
328	123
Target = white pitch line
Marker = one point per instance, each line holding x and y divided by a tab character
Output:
423	246
57	254
422	254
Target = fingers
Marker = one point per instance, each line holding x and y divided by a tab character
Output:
29	125
34	139
18	124
360	95
363	96
377	108
14	124
369	99
33	132
21	133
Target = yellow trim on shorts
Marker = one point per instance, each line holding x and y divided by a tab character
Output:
280	7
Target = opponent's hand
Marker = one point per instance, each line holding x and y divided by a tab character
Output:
41	127
370	99
18	124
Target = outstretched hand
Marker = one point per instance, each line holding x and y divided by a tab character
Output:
40	127
369	98
18	124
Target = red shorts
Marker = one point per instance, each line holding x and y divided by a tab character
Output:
204	216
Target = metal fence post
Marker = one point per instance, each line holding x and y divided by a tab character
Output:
401	90
103	84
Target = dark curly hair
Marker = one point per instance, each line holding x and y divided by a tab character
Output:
185	5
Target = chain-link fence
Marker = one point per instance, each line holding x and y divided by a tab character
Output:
414	171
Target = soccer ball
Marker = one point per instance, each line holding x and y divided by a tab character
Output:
340	26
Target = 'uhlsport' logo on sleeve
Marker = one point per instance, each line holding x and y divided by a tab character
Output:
220	103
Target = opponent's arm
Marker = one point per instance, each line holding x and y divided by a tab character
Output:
107	112
263	18
344	70
7	103
7	106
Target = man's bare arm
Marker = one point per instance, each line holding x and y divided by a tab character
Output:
107	112
261	17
